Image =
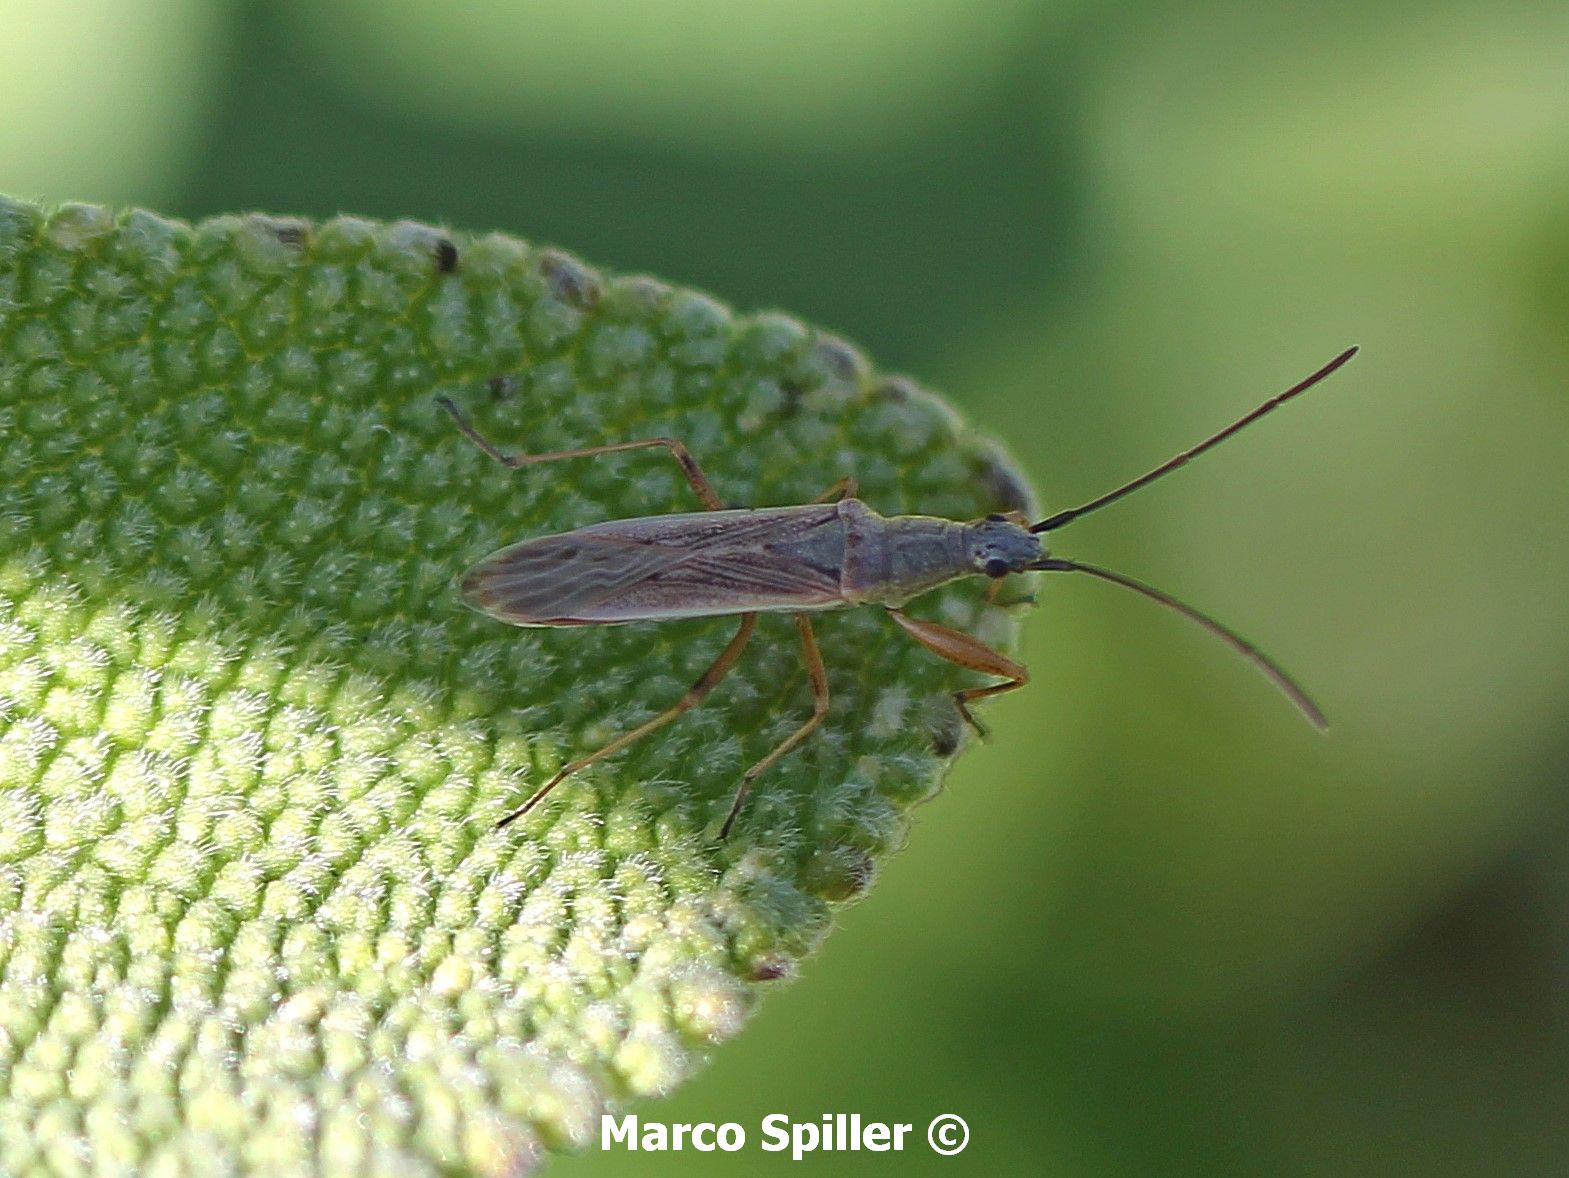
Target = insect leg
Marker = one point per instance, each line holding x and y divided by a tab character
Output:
689	468
994	591
845	488
819	677
959	647
706	682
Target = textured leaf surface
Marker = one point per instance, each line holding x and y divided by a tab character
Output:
253	911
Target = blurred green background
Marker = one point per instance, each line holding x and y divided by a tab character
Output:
1157	926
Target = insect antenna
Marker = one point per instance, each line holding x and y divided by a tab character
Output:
1271	670
1052	523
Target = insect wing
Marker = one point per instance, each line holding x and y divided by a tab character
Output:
558	580
663	567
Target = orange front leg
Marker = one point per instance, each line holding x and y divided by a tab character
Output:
968	651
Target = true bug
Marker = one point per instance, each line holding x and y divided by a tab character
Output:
832	553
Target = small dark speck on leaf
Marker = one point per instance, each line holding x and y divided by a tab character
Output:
895	389
292	233
840	873
570	281
502	387
945	737
771	969
839	359
446	256
792	393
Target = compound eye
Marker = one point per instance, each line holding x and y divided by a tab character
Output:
996	567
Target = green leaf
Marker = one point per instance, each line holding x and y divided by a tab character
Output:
253	907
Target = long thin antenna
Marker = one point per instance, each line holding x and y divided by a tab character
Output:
1054	522
1272	670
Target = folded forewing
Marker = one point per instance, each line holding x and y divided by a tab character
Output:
662	567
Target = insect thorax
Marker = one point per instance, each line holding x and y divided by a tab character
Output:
890	560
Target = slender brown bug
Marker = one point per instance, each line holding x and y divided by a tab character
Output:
832	553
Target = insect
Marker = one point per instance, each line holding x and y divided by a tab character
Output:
832	553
